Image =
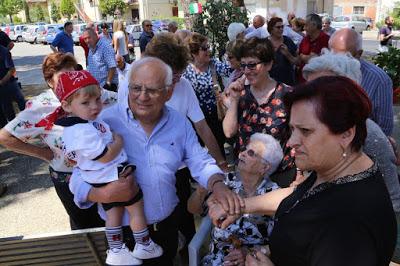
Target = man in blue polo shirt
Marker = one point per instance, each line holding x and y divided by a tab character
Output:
63	41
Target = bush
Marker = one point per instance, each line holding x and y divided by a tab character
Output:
37	14
16	19
390	63
214	22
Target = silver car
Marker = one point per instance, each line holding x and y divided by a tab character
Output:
31	34
354	22
16	33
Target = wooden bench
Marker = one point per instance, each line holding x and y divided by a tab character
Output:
79	247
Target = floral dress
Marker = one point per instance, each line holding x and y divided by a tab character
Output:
269	118
250	229
202	83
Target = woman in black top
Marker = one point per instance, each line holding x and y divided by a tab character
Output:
341	214
285	53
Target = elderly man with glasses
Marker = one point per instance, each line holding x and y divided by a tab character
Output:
146	35
158	140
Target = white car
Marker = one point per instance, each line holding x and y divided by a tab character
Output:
358	23
134	32
16	33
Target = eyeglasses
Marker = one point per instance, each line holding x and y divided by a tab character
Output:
250	66
205	48
253	154
137	89
279	27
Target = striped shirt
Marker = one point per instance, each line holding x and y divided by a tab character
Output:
379	87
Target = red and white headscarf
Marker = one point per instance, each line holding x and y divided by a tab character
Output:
68	83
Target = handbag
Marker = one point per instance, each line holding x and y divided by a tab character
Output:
221	108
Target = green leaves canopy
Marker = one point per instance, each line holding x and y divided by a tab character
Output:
108	7
11	7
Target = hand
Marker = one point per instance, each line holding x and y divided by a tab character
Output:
230	201
235	257
258	259
234	90
300	178
122	190
225	99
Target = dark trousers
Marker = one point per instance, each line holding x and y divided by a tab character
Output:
183	190
9	93
216	128
79	218
164	234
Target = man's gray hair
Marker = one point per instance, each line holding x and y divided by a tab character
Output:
273	153
315	19
151	60
326	20
339	64
234	29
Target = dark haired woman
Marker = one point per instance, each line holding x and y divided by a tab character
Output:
342	213
258	106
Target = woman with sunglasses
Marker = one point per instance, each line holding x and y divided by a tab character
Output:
285	52
203	73
230	246
256	103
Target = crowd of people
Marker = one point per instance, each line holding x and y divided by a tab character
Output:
140	146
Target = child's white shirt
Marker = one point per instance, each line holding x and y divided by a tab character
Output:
85	143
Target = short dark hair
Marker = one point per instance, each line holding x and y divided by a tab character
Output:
104	25
272	22
339	102
260	48
66	24
315	19
169	48
195	41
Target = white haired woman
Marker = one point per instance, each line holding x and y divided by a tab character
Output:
236	31
229	246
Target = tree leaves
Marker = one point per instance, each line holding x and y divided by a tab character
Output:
108	7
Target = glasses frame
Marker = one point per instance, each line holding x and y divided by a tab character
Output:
250	66
152	93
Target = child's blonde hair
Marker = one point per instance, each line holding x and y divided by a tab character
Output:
91	91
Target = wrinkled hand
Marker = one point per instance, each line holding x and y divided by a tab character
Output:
219	217
124	189
235	89
235	257
258	259
230	201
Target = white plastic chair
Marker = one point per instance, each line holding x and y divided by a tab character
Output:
201	235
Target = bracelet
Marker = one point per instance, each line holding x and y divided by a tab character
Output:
215	182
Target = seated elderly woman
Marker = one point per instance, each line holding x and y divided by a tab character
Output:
229	246
341	214
377	145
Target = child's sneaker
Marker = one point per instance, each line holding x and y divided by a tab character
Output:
147	252
121	257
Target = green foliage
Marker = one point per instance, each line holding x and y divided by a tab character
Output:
55	12
37	14
390	63
178	20
67	8
214	22
11	7
16	19
108	7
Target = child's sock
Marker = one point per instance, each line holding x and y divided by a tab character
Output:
142	237
114	237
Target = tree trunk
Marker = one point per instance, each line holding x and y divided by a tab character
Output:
26	9
186	14
11	21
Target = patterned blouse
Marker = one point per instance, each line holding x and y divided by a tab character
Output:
23	126
202	83
269	118
250	229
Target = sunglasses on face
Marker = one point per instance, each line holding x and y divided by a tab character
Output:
205	48
250	66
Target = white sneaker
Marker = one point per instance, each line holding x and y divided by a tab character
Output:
147	252
121	257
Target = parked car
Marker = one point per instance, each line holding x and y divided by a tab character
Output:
369	21
16	33
52	32
43	30
135	31
355	22
31	34
98	27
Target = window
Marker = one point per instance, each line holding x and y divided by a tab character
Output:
359	10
